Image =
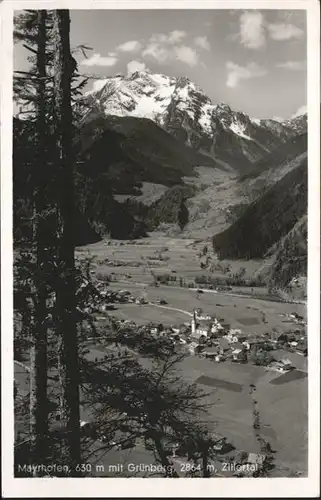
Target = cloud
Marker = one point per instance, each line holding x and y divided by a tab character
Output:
176	36
282	31
202	42
158	52
186	55
238	73
173	37
300	111
133	66
96	86
159	38
293	65
252	32
97	60
166	47
297	17
130	46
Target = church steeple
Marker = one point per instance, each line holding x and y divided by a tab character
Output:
194	322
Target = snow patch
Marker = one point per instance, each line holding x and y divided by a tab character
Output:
190	114
145	107
238	129
165	92
206	118
159	79
182	92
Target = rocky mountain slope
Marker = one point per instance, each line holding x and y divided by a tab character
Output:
291	149
267	219
299	124
181	108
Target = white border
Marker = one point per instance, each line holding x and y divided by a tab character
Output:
133	487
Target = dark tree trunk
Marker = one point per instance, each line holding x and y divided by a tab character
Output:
38	354
206	472
170	471
65	292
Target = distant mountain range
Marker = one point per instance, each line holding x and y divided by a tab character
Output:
298	124
182	109
148	130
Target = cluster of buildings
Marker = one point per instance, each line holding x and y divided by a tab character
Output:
212	338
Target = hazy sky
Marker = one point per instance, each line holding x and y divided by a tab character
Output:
253	60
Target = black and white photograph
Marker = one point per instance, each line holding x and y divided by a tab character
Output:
164	323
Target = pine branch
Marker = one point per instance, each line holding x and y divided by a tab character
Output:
30	49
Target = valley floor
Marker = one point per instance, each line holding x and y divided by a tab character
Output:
282	406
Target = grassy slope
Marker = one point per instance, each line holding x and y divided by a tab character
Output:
267	219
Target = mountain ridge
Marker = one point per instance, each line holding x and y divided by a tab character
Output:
267	219
181	107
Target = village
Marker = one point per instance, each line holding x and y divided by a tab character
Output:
241	365
212	337
208	338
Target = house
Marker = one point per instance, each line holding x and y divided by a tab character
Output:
211	352
141	301
203	316
224	345
203	328
297	317
281	366
238	355
302	347
235	332
231	337
274	365
192	347
220	444
216	327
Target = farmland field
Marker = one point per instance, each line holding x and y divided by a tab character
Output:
260	316
282	406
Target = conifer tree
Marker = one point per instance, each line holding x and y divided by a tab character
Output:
65	290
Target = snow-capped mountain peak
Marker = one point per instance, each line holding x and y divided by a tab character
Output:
183	109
